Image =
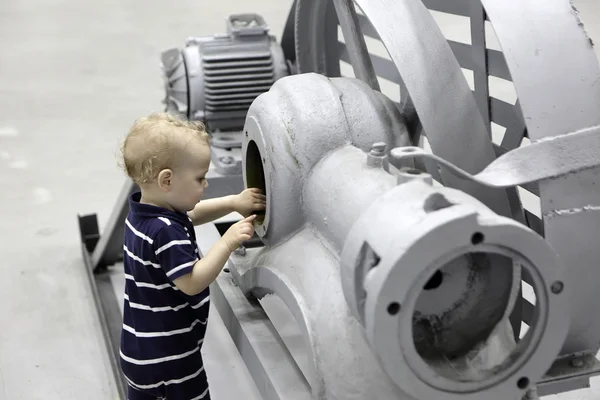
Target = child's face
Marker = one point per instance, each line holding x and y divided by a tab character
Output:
188	181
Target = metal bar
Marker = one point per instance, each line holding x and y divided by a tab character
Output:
528	312
330	38
89	231
110	246
502	113
366	27
569	373
516	206
463	53
355	42
288	37
534	222
541	161
276	374
106	305
496	63
532	187
384	68
513	137
480	62
561	386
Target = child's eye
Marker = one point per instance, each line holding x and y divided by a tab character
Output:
200	180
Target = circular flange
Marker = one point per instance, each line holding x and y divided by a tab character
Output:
409	253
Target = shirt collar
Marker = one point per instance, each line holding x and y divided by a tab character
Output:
148	210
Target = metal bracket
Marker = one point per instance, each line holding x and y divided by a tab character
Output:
569	373
266	356
545	159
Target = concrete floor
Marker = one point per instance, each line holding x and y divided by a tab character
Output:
73	75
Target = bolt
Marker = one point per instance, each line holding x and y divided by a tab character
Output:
531	395
377	157
378	149
240	251
405	175
557	287
400	159
577	363
227	160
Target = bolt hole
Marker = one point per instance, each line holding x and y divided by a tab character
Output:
412	171
226	270
523	383
435	281
409	149
477	238
246	133
557	287
393	308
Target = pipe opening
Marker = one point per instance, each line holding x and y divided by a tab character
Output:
255	175
461	328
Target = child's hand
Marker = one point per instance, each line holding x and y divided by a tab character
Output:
250	201
239	232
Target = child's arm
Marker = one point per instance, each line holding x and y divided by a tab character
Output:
207	269
211	209
245	203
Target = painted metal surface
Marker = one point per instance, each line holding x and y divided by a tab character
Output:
537	56
429	272
312	141
538	52
309	126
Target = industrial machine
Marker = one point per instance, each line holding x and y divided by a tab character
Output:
395	232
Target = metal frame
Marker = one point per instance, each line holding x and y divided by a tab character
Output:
267	358
105	300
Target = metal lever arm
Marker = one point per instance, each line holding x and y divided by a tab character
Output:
545	159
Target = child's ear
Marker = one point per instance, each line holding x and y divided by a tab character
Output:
165	178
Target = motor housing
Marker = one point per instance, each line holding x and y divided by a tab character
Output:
215	79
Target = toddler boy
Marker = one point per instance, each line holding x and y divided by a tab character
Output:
167	283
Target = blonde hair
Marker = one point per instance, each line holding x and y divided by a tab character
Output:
156	142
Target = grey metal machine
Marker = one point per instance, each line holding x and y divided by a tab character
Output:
395	232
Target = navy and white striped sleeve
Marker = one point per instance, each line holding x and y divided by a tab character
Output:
175	251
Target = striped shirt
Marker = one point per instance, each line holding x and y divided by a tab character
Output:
163	328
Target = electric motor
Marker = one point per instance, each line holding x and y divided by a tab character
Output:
215	79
